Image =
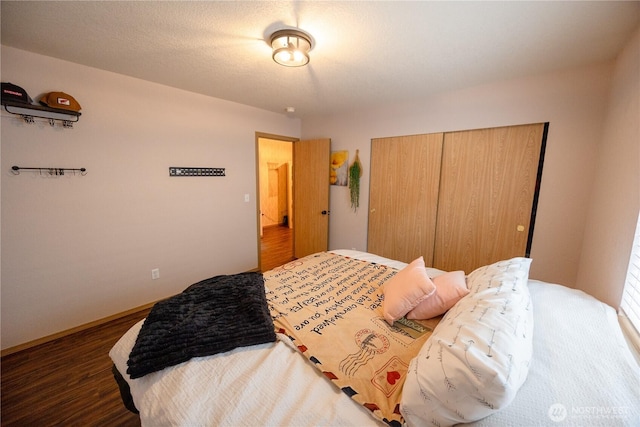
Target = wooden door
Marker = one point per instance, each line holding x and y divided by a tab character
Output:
403	196
311	196
487	188
283	193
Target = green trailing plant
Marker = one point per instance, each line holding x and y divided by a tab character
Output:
355	172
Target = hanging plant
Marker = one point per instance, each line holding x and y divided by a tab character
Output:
355	172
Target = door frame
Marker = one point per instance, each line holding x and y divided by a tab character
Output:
258	136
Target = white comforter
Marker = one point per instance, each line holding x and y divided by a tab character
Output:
582	374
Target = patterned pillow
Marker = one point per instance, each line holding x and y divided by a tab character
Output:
478	356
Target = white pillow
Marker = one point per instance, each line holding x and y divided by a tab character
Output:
479	354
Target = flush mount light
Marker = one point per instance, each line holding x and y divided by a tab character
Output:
291	47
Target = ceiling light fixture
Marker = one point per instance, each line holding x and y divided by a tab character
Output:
291	47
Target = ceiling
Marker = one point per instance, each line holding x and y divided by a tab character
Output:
365	53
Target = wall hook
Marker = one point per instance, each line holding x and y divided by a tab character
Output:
51	171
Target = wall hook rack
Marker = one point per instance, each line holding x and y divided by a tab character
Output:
29	111
50	171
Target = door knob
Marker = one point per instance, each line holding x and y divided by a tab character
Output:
324	212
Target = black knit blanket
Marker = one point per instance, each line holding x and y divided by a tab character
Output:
209	317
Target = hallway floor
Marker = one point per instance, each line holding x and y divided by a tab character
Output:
276	246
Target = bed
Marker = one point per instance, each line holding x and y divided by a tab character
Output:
348	338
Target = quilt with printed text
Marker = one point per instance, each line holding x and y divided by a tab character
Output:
331	307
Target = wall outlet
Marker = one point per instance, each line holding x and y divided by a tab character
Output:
155	273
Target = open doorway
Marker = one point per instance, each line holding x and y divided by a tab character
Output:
275	200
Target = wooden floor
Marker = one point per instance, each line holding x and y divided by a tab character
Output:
276	246
69	382
66	382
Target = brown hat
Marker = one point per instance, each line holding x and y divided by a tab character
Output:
60	100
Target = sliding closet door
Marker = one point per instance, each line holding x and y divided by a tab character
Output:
486	196
403	196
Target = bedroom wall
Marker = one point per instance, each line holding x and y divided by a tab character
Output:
80	248
573	101
615	200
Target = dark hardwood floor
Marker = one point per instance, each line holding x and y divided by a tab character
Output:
276	246
68	381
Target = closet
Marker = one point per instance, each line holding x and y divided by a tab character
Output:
460	199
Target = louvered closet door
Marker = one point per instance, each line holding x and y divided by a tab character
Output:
403	195
486	196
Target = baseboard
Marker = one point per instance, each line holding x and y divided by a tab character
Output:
48	338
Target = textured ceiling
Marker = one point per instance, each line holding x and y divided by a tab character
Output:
365	53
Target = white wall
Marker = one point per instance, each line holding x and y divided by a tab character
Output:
615	202
76	249
574	102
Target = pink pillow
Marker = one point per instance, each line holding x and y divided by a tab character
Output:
450	288
405	290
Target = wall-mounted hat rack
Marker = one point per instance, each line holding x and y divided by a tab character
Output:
30	111
50	171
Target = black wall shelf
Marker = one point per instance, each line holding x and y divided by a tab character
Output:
29	111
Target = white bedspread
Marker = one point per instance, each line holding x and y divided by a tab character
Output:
582	374
253	386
